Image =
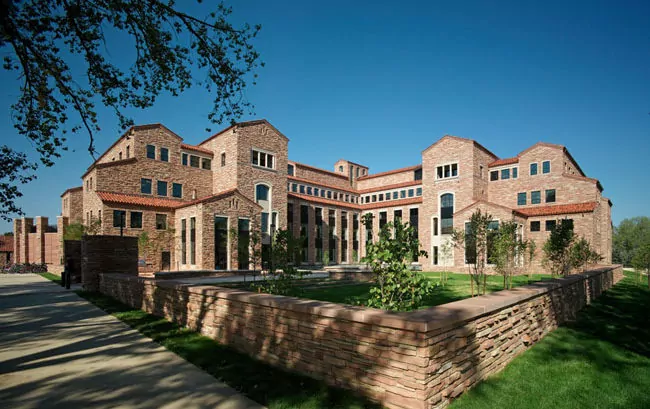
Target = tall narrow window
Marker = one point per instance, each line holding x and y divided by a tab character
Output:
223	159
521	198
177	190
164	154
397	215
220	243
355	236
184	159
550	196
383	219
192	239
435	226
183	241
161	188
332	235
535	197
128	151
151	152
546	166
243	244
414	221
446	213
145	186
515	173
344	237
290	218
435	255
318	239
304	232
290	170
533	169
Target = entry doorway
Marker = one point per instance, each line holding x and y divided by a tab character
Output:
166	261
220	243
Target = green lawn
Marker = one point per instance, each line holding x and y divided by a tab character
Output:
272	387
457	288
602	360
51	277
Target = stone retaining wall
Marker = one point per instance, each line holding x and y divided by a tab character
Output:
421	359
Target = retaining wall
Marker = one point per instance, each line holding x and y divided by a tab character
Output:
420	359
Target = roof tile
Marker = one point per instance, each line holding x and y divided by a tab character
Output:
557	210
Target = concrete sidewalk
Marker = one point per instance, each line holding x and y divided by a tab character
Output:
59	351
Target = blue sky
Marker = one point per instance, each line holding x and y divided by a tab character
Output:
377	82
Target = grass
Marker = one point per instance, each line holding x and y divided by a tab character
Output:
272	387
52	277
602	360
457	288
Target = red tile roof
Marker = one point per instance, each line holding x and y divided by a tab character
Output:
6	244
393	186
390	172
197	149
501	162
391	203
557	210
322	200
137	200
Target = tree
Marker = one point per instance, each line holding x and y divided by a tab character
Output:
629	236
557	249
150	244
641	262
474	241
75	231
46	41
397	288
283	273
508	250
582	254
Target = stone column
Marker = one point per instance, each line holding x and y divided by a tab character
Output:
61	226
27	224
41	226
18	231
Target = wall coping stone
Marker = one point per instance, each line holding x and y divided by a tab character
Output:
436	318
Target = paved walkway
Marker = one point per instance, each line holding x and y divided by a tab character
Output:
59	351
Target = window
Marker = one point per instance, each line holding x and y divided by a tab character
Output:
136	220
515	173
262	159
505	174
164	154
535	226
340	168
192	238
383	219
223	159
309	190
414	221
533	169
290	170
329	194
119	218
395	195
446	213
161	188
435	255
435	226
546	166
194	161
184	162
535	197
447	171
550	196
119	156
262	192
411	191
183	241
381	197
397	215
374	198
316	191
550	225
417	174
177	190
128	151
494	175
206	163
151	152
402	194
265	222
145	186
302	189
521	199
161	222
418	191
294	187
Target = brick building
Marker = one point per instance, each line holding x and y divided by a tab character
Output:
207	197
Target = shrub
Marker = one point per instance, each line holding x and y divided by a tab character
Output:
26	268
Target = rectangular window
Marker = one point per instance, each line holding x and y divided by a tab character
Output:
550	196
521	199
535	226
550	225
183	241
515	173
435	226
151	152
418	191
505	174
294	187
263	159
309	191
447	171
383	219
435	255
316	191
302	189
206	163
119	156
332	235
402	194
395	195
494	175
145	186
374	198
194	161
546	166
119	218
290	170
533	169
535	197
265	222
329	194
381	197
164	154
136	220
223	159
397	215
161	222
411	192
184	162
161	188
192	238
177	190
414	222
417	174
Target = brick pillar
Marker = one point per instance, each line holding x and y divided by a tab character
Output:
41	226
28	222
18	231
61	225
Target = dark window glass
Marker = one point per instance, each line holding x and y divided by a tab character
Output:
145	186
417	174
446	213
395	195
302	189
161	188
265	222
435	226
505	174
223	159
535	197
183	241
294	187
550	225
374	198
309	190
119	218
151	152
494	175
454	170
550	196
177	190
164	154
161	221
290	170
329	194
184	162
521	198
192	237
381	197
414	221
515	173
411	192
136	220
262	192
535	226
546	166
533	169
206	163
418	191
397	215
383	219
402	194
194	161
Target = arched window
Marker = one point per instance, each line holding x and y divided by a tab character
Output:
446	213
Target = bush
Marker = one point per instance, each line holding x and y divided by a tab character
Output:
27	268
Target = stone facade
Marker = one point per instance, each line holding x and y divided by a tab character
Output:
420	359
250	159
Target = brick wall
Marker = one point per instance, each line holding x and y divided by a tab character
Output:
107	254
420	359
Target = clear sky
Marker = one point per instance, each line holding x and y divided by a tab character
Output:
377	82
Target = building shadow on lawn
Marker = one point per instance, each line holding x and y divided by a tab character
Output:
265	384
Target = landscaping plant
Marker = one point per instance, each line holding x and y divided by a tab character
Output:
557	255
396	287
641	262
282	272
508	248
474	240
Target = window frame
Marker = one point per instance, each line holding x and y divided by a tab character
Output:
546	195
147	151
165	157
525	197
546	167
131	213
537	193
158	184
142	180
535	166
180	185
